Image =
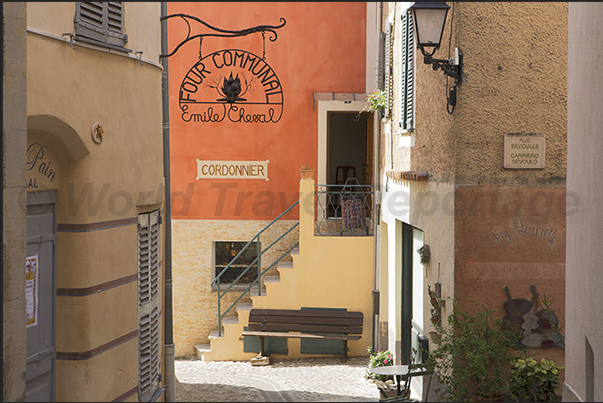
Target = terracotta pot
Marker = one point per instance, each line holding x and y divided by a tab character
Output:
485	399
306	173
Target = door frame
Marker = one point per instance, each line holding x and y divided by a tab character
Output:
34	199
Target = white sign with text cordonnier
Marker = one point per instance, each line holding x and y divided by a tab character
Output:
232	169
524	151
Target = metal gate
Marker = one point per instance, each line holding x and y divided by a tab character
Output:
40	294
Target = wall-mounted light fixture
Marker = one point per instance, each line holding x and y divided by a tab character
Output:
429	21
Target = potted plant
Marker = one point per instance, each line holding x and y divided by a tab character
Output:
533	381
306	172
378	359
375	101
471	356
384	382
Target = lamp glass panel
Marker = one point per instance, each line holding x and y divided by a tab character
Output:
430	25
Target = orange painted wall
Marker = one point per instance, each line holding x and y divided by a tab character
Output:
321	48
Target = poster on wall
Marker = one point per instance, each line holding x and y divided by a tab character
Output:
31	290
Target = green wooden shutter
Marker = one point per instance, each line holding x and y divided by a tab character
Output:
148	304
407	64
388	70
100	22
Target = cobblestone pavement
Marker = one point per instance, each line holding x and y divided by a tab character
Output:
323	379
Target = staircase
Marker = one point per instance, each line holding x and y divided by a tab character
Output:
229	345
315	271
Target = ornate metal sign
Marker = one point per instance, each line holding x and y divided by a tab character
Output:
231	84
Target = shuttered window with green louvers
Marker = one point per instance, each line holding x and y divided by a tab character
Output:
148	305
388	76
407	73
101	23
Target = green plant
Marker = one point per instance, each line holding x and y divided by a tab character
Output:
471	355
376	100
551	317
305	167
378	359
533	381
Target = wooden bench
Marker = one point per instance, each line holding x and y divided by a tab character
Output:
327	324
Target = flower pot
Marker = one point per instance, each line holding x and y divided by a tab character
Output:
306	173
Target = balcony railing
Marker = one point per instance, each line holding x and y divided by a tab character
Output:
344	210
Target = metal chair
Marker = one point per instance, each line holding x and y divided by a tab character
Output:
405	391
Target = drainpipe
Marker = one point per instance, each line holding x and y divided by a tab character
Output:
377	202
168	358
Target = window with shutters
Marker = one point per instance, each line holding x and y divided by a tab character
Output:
407	66
101	23
387	70
148	305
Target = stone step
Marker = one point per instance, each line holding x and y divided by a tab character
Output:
272	279
201	349
284	265
244	306
295	251
230	320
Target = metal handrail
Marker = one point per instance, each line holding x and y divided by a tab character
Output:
256	238
344	210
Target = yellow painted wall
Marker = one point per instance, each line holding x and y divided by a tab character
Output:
329	272
102	188
195	303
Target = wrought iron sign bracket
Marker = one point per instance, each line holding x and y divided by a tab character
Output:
221	32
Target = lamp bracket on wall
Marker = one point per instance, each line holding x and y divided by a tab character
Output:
221	32
452	68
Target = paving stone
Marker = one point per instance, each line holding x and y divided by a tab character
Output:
319	379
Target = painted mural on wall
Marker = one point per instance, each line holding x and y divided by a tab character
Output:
534	321
230	84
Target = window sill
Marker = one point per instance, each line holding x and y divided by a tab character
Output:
101	44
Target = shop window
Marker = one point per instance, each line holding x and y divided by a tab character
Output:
225	252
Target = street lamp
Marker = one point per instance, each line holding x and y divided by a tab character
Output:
429	21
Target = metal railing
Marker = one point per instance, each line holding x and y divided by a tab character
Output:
344	210
257	261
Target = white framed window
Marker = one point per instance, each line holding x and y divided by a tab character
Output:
101	23
149	378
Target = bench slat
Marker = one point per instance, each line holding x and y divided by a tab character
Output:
325	313
255	318
301	335
292	327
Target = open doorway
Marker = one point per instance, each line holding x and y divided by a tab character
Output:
349	147
349	165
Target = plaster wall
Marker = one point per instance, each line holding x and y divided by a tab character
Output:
514	81
584	228
196	305
14	138
329	272
101	188
430	208
321	48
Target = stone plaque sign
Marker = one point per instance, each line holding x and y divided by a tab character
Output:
524	151
232	169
